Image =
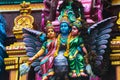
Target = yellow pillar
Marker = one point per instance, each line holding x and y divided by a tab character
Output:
12	67
13	75
118	72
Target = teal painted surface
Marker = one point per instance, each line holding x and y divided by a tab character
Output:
5	2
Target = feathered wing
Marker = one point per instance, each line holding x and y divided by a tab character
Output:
97	44
33	40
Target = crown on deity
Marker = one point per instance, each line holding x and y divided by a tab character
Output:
77	23
49	25
65	18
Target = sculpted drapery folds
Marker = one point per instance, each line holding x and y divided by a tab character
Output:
46	62
75	50
64	53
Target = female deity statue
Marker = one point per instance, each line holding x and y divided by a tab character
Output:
74	51
47	62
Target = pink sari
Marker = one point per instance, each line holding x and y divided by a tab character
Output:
48	60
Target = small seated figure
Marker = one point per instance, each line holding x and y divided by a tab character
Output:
47	62
73	53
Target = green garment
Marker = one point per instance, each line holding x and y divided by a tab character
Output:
77	63
45	44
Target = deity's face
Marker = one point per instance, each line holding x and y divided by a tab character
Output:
64	28
51	33
74	31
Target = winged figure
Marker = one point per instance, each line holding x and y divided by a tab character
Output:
33	40
96	41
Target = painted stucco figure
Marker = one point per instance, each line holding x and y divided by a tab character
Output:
71	42
75	51
46	62
97	36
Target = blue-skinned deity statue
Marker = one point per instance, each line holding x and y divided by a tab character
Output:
60	62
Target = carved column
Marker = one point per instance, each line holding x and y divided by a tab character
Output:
17	50
12	65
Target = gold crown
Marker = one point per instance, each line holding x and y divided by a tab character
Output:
48	24
77	23
65	18
78	19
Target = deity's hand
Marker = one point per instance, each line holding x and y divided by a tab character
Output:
30	60
71	57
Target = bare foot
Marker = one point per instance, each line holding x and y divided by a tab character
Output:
83	74
45	78
51	73
74	75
